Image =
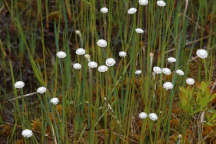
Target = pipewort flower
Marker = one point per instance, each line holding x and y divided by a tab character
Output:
104	10
132	11
110	62
80	51
92	64
153	116
161	3
139	30
138	72
179	72
190	81
61	54
171	59
143	115
19	84
122	54
41	90
27	133
166	71
102	68
143	2
202	53
54	101
77	66
102	43
168	85
157	70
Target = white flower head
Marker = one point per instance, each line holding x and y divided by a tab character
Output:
202	53
190	81
104	10
110	62
153	116
143	2
102	43
19	84
168	85
132	11
143	115
80	51
139	30
122	54
87	56
78	32
27	133
171	59
54	101
61	54
92	64
179	72
157	70
161	3
138	72
41	90
179	136
102	68
166	71
77	66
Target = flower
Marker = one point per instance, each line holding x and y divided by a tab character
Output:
138	72
61	54
143	115
190	81
19	84
153	116
54	101
143	2
168	85
41	90
77	66
202	53
161	3
171	59
179	72
102	43
179	136
110	62
104	10
102	68
87	56
80	51
157	70
27	133
166	71
122	54
132	11
139	30
78	32
92	64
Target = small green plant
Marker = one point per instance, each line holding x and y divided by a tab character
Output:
210	117
194	100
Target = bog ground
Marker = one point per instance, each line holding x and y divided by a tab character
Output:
108	71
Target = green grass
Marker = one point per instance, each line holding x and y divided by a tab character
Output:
31	34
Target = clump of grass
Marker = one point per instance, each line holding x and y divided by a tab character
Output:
107	71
